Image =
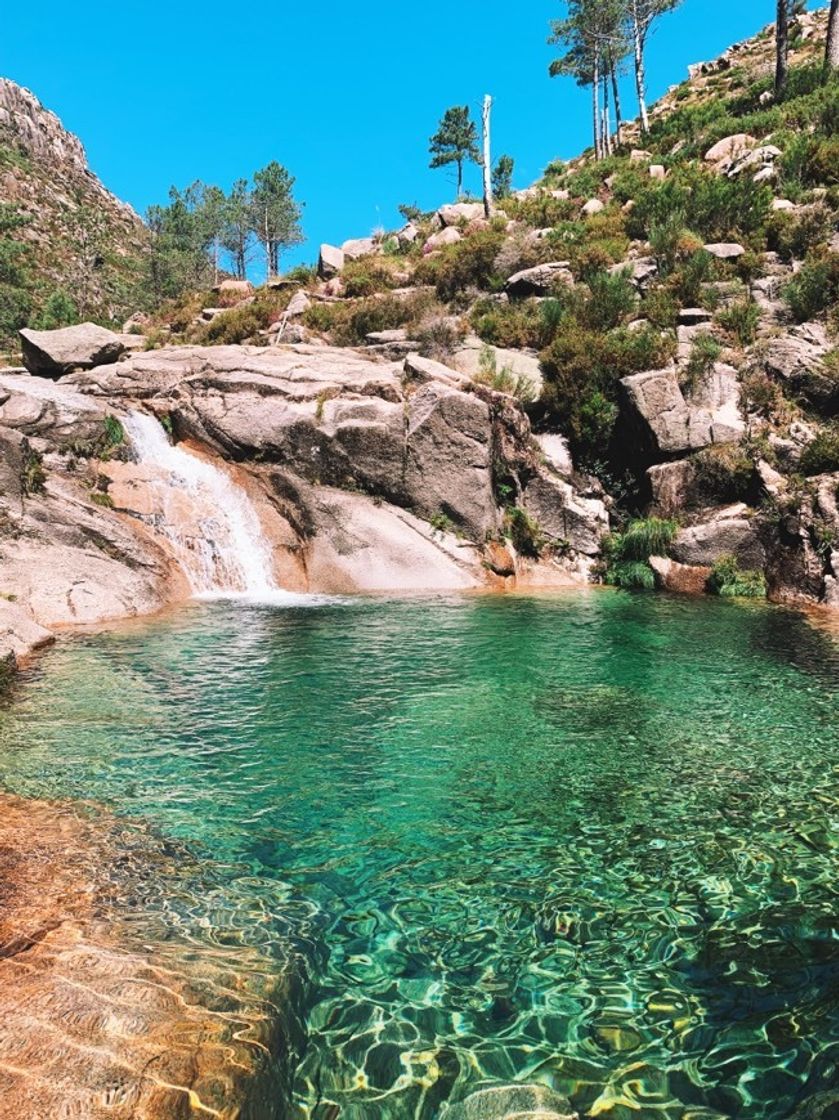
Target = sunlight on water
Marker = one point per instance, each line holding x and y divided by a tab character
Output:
587	841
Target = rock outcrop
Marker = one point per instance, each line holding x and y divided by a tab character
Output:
365	475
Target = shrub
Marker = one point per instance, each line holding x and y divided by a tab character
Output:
503	380
815	288
33	477
821	455
366	278
348	324
728	579
795	234
704	354
613	299
713	206
723	473
59	310
235	325
468	264
582	369
741	320
524	532
628	553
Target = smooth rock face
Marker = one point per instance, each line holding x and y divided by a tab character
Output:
671	424
359	247
670	485
724	532
725	250
447	236
53	353
566	517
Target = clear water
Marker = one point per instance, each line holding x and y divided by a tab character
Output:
587	840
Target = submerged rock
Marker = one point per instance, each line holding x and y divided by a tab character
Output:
108	1013
504	1102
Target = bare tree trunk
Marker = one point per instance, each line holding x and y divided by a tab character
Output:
267	236
831	54
607	124
617	99
487	156
595	93
781	48
640	77
459	179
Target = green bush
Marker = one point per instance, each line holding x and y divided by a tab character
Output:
468	264
523	532
627	554
612	300
366	278
723	473
793	235
705	352
728	579
235	325
59	310
712	206
815	288
741	320
821	455
582	368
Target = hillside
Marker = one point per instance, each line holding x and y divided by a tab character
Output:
663	321
77	239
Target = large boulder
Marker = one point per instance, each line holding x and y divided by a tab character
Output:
459	212
565	517
730	531
539	280
20	635
53	353
730	148
447	236
448	458
797	358
330	262
669	423
359	247
685	579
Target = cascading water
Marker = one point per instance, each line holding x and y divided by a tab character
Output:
207	519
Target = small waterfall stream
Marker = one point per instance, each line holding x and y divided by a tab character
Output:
206	517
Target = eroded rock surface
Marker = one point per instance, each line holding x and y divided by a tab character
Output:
107	1012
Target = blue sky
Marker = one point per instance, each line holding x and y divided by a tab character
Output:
346	95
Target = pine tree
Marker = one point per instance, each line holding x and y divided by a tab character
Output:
502	177
641	17
592	34
237	226
275	214
455	141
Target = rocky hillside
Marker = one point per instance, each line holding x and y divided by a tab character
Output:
629	372
668	315
81	241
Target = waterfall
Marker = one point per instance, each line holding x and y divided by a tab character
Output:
206	517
